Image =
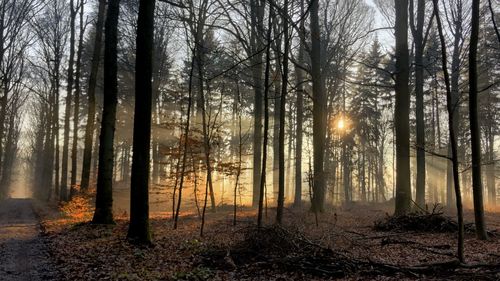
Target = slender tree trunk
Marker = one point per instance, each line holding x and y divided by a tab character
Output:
345	173
491	167
284	91
76	112
455	95
104	195
55	120
67	113
185	145
139	196
262	188
240	156
453	139
257	29
94	69
276	117
299	74
418	35
477	185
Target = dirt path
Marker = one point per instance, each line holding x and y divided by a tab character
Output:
23	254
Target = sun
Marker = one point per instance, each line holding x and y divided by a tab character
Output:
341	124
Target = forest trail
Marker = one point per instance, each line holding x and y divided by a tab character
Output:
23	253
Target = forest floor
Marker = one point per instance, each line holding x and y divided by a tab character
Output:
23	251
342	245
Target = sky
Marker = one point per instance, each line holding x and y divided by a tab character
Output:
385	37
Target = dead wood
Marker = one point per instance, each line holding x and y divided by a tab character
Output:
420	222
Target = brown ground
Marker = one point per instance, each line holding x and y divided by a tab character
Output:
86	252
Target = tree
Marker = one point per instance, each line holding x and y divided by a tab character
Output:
76	111
257	8
104	194
453	140
51	29
401	111
367	112
419	41
299	76
319	111
139	206
14	41
457	18
67	113
262	188
89	128
284	89
477	185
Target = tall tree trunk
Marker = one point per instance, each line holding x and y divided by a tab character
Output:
104	195
277	81
319	112
284	91
418	35
257	18
67	113
94	69
184	145
453	140
262	188
202	106
455	94
299	75
139	198
276	118
55	123
491	167
76	112
477	186
401	112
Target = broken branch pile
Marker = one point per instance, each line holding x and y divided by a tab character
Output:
275	247
420	222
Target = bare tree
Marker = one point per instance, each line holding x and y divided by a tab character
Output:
262	188
453	139
69	97
94	69
284	92
76	111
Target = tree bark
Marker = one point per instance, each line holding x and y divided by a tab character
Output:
262	187
319	112
299	75
94	69
139	196
104	195
67	112
401	112
418	36
455	94
257	29
284	91
76	112
477	185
